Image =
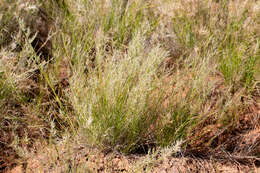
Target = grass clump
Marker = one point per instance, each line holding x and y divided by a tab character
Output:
115	104
118	101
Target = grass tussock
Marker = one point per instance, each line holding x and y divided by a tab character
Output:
129	76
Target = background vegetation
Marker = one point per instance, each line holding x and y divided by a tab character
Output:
129	76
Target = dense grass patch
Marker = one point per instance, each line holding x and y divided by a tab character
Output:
127	74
